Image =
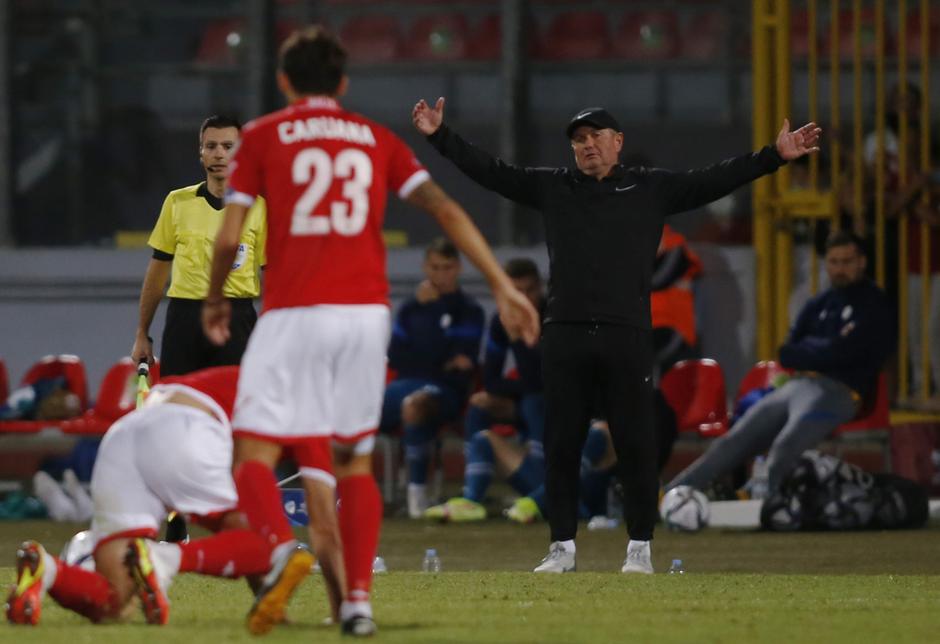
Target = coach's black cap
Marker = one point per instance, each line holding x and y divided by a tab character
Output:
595	116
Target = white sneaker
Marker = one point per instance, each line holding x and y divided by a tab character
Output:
557	560
638	558
59	505
417	500
84	505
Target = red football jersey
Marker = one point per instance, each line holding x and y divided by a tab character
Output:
325	174
218	383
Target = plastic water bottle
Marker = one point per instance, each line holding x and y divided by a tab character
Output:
676	567
602	522
431	563
757	487
378	566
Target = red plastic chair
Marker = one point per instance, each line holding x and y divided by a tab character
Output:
913	33
704	36
576	35
847	43
4	382
873	414
871	425
647	35
799	34
695	389
486	42
117	396
438	37
760	375
221	42
67	365
371	39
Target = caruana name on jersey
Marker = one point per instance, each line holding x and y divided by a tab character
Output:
325	127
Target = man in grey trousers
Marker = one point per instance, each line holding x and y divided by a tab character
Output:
837	348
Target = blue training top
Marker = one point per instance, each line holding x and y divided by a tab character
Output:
844	333
426	336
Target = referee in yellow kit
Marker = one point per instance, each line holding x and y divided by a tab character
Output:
182	243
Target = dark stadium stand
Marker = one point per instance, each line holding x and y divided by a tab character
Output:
647	35
371	38
438	37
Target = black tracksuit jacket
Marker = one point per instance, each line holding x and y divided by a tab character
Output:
602	238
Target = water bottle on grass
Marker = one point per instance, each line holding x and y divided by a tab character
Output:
431	563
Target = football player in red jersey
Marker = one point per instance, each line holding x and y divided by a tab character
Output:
173	453
314	371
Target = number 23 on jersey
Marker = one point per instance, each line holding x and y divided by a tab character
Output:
316	169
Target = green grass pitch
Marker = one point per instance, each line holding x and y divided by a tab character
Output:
739	587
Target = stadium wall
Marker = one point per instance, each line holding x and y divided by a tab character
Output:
84	301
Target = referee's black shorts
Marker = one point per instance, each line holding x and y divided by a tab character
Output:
186	348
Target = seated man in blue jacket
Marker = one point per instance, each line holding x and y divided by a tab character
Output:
518	401
434	351
837	348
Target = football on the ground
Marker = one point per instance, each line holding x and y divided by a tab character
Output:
684	508
78	551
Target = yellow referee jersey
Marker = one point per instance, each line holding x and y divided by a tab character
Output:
185	232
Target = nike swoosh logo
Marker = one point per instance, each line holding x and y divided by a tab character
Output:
631	187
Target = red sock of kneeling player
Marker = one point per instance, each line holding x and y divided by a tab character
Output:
86	592
232	553
260	500
360	519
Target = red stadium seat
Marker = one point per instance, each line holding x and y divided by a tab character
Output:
486	43
799	34
647	35
69	366
486	39
371	38
438	37
695	389
117	396
913	33
873	414
704	36
576	35
221	42
871	425
760	376
4	382
52	366
846	41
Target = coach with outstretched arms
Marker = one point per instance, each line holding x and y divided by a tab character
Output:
603	222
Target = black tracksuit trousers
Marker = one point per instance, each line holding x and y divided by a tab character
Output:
186	348
585	365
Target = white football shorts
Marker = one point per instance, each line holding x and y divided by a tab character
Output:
315	371
160	458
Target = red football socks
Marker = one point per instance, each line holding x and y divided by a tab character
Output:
360	519
86	592
260	500
232	553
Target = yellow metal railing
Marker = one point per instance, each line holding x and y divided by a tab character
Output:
871	203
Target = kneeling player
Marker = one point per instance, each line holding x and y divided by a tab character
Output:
174	453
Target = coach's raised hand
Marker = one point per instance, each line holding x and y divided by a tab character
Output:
793	145
426	118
